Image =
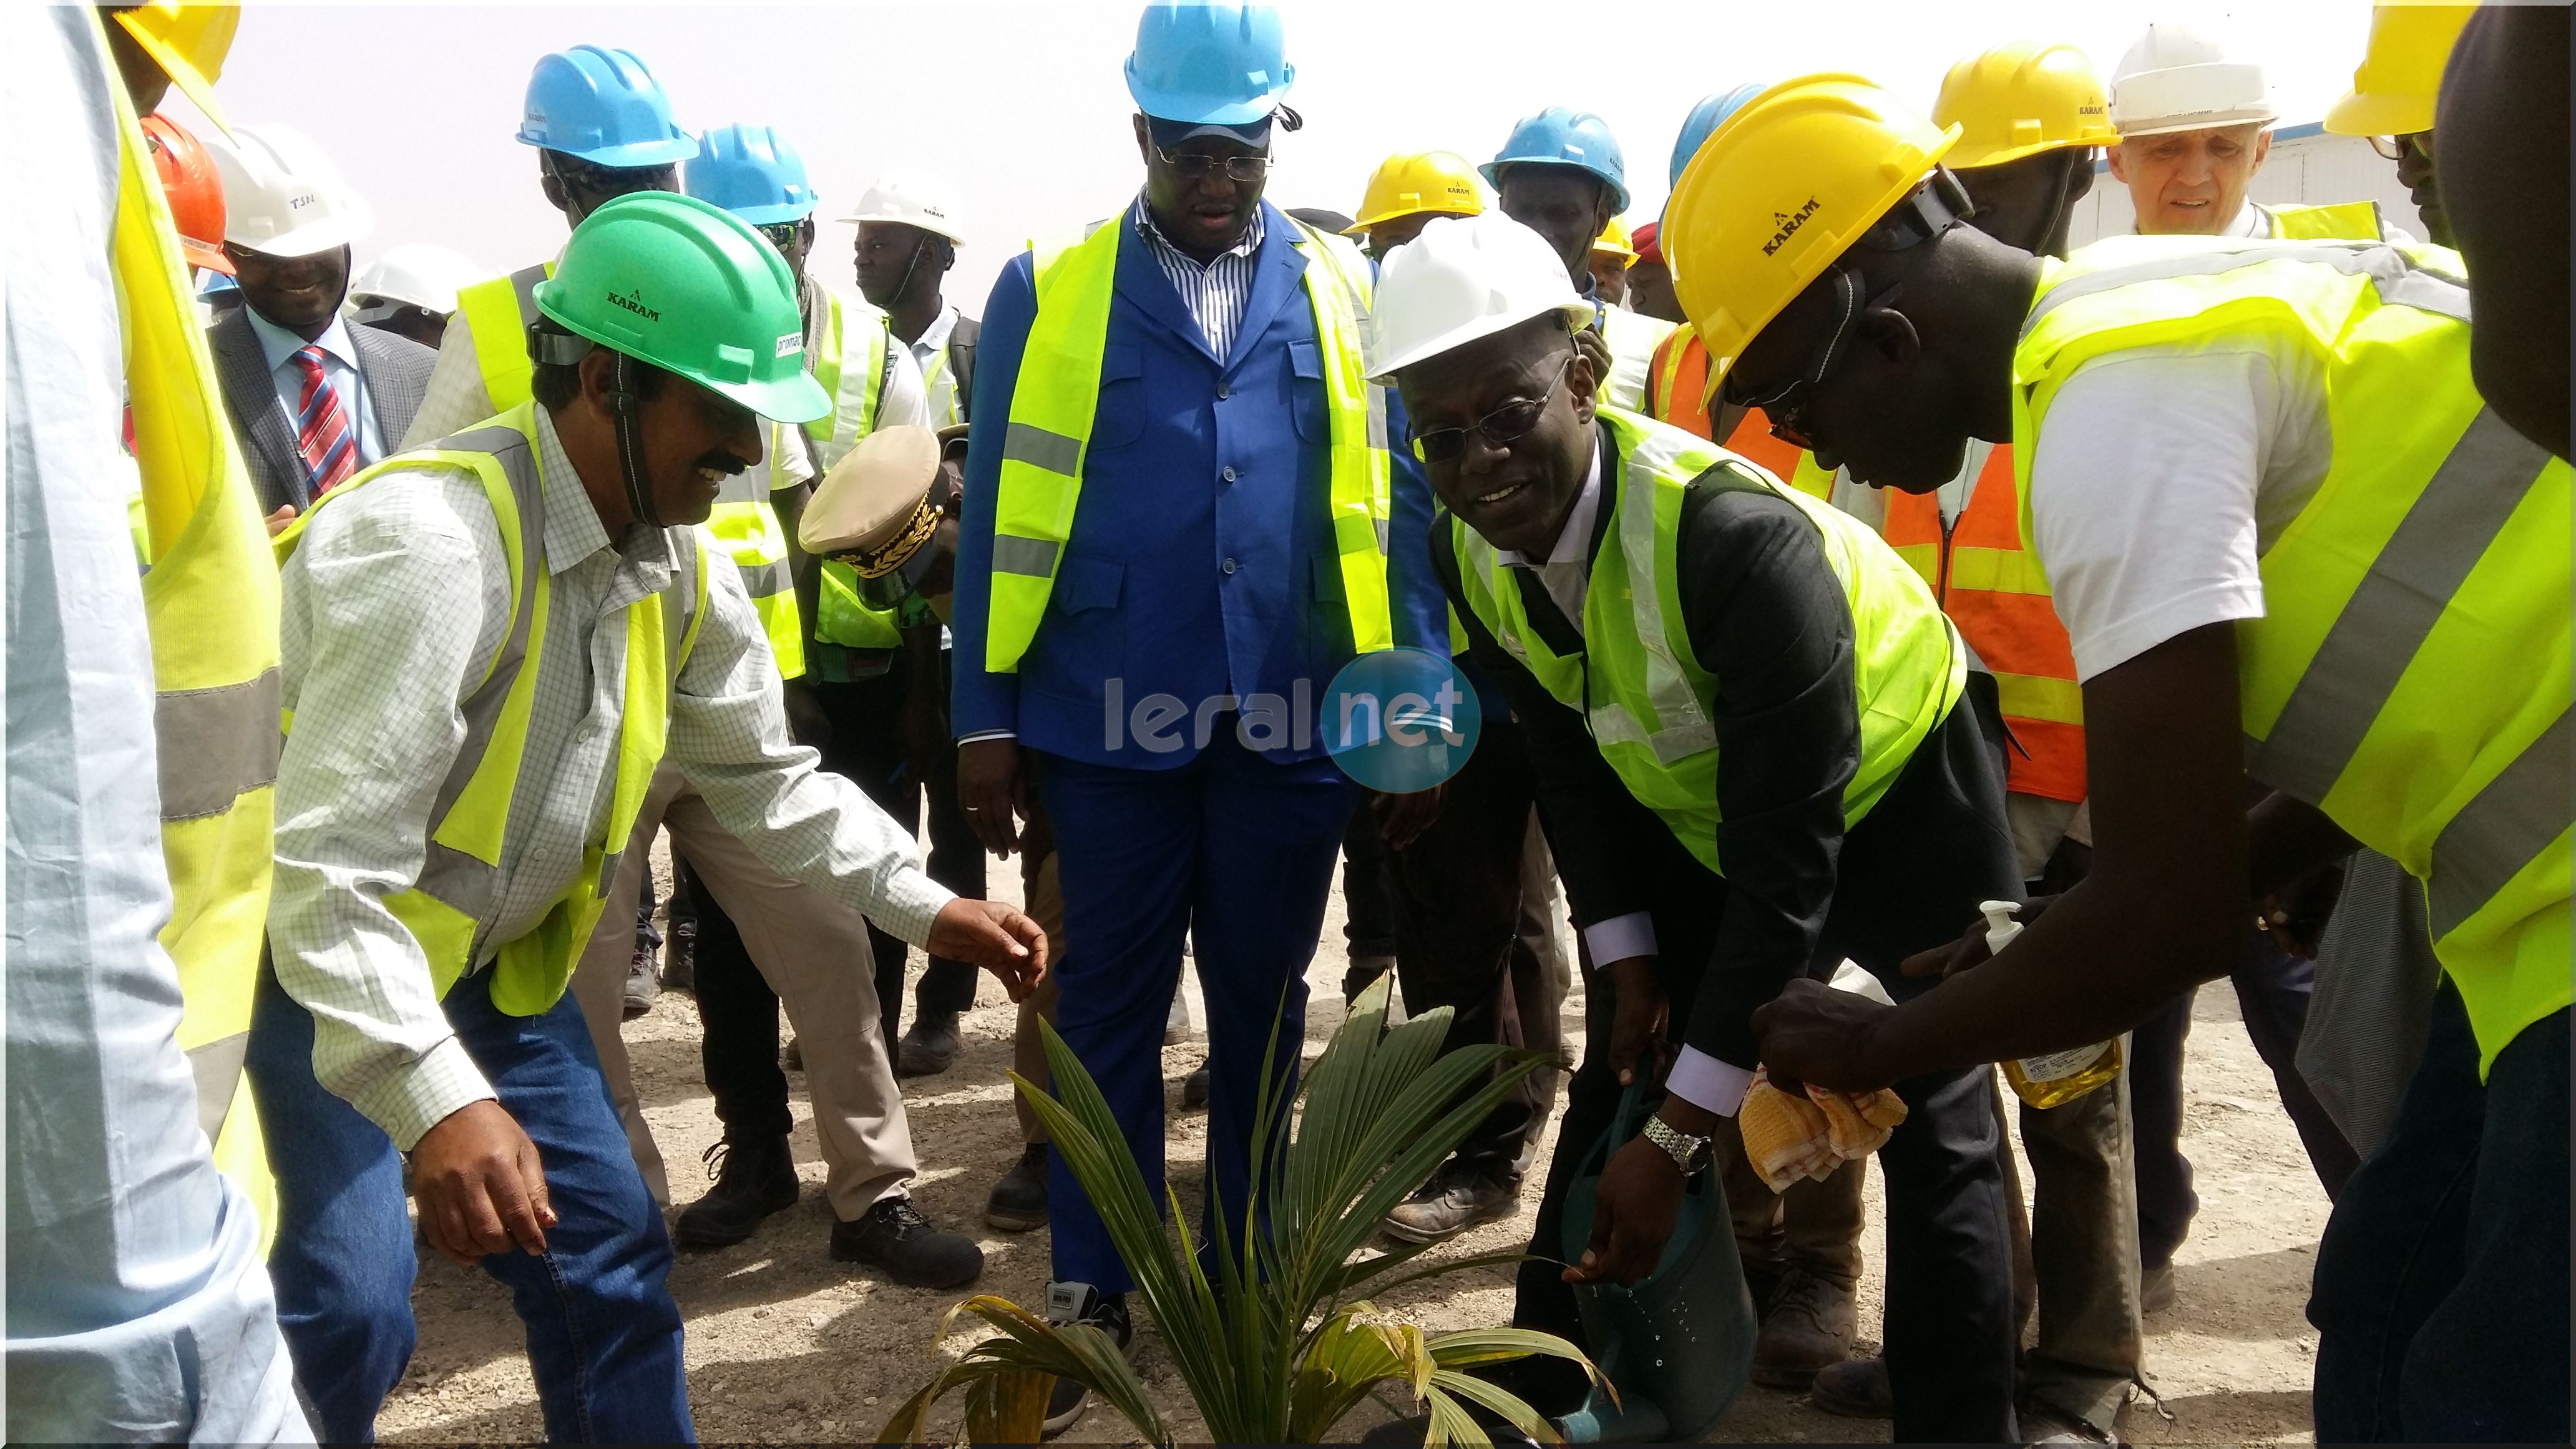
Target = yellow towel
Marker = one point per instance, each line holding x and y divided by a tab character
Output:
1791	1137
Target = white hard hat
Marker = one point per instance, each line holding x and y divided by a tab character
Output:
282	196
901	196
2181	78
418	273
1464	278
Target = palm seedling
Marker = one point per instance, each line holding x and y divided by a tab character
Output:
1271	1326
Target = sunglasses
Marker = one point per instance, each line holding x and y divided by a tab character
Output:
1195	165
1500	428
1786	404
2394	148
782	234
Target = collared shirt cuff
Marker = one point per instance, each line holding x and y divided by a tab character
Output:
910	903
1620	937
409	1102
969	739
1707	1083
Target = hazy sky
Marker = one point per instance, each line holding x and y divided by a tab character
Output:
1023	109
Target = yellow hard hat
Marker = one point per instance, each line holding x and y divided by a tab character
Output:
1614	239
1415	181
2394	86
188	42
2021	99
1790	182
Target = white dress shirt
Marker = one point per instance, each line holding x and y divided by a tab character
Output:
938	378
339	368
396	598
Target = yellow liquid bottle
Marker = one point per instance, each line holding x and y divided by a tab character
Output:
2054	1078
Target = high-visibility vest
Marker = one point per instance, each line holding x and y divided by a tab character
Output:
1632	338
2410	673
1638	680
2336	221
448	909
1988	581
498	313
1045	447
857	384
1679	396
210	604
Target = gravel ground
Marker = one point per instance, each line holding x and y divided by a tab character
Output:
785	1345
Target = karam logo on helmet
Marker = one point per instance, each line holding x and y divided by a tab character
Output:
1789	225
634	302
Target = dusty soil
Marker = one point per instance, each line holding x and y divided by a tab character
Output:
785	1345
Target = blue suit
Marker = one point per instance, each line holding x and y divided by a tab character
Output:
1201	568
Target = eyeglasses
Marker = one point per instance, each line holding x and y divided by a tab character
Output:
2394	148
782	234
1195	165
1500	428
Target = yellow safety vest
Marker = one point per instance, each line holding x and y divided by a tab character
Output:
858	393
2410	673
1053	405
210	603
499	311
448	909
2338	221
1638	680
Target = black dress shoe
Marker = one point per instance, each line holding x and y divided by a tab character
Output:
753	1180
894	1236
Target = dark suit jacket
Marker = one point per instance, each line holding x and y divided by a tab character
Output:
396	370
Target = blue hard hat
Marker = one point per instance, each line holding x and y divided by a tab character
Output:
1562	136
752	172
1221	65
604	107
1703	121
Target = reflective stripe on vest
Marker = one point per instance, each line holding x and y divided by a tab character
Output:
744	525
2410	674
1639	682
858	394
2338	221
1057	398
210	606
498	313
1990	584
450	908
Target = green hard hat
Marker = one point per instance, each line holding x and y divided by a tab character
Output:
672	281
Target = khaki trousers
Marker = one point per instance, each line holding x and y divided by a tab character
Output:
814	953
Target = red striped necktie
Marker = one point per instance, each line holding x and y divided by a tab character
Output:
322	431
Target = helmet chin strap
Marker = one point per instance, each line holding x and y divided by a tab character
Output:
622	405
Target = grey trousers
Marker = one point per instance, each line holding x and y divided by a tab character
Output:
2083	1254
814	953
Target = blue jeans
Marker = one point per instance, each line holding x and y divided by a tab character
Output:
2441	1288
603	1333
1236	853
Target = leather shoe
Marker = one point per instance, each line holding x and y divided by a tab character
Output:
680	956
643	983
929	1045
1194	1090
1856	1388
1019	1200
894	1236
1459	1195
753	1179
1807	1325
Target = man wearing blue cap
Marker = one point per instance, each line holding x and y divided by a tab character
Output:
1561	175
1174	537
602	128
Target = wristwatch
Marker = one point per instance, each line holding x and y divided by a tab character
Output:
1689	1153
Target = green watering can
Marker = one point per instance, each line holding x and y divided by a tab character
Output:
1679	1343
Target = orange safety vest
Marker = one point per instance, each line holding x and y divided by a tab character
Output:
1676	393
1989	583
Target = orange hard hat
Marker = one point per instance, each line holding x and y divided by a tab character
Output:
196	192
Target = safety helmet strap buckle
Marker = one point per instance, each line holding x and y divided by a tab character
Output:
1930	209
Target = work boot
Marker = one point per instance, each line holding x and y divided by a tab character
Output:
894	1236
680	957
929	1045
642	984
1856	1388
1069	1304
1459	1195
1194	1090
1807	1326
793	1058
1019	1200
1363	971
753	1179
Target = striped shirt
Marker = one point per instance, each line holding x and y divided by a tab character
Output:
1215	292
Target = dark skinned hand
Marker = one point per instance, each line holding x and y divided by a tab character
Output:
992	789
480	1187
1641	1028
1946	961
1812	1033
994	936
2296	915
1401	819
1590	342
1633	1212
